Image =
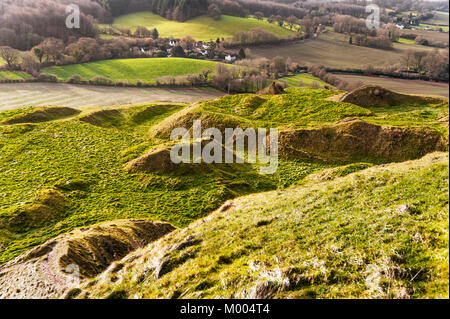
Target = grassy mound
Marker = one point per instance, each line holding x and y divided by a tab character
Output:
85	162
273	89
146	70
104	118
158	160
47	206
335	172
89	249
355	140
42	114
125	118
377	96
297	107
202	28
370	234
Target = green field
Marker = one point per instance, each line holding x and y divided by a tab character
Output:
440	18
306	78
433	27
62	171
14	96
406	41
201	28
13	75
146	70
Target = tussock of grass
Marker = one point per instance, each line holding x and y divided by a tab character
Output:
376	96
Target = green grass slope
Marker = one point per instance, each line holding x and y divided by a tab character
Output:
13	75
300	108
146	70
378	233
304	79
81	159
202	28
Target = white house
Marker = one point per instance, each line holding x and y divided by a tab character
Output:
230	58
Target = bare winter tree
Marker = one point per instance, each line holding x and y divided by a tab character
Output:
10	55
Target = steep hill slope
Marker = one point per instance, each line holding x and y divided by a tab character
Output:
202	28
378	233
51	268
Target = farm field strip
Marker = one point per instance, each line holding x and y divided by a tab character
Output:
333	50
401	85
146	70
15	96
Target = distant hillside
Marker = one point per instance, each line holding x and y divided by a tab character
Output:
179	10
200	28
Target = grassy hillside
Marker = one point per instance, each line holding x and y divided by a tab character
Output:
378	233
147	70
62	169
85	163
13	75
201	28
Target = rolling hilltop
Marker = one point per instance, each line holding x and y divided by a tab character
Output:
92	166
92	204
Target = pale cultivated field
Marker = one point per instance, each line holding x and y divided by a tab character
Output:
333	50
14	96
